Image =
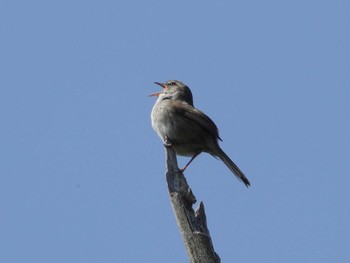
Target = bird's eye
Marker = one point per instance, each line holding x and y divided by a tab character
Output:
171	83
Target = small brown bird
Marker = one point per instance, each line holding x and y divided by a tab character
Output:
188	129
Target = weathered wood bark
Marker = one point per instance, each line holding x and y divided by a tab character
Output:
192	224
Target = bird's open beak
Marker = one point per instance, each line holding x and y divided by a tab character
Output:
154	94
158	93
160	84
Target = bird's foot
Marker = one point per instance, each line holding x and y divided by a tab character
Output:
167	142
181	171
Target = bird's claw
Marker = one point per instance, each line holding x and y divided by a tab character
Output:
167	143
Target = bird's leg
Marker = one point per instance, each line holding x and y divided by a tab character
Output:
185	167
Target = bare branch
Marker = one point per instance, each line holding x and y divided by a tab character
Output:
192	224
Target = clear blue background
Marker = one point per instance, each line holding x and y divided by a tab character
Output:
82	171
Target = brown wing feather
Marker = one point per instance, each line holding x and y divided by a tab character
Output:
197	117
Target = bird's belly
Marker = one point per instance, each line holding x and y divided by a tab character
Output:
187	139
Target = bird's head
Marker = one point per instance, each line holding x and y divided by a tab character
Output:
175	90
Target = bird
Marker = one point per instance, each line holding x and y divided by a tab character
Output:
189	130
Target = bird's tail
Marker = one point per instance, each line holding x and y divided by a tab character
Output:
232	166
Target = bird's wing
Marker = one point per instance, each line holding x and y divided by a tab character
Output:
197	117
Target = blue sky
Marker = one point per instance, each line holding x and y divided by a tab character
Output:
82	171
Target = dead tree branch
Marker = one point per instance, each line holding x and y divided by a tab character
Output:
192	223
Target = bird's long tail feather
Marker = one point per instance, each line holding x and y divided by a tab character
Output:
233	167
